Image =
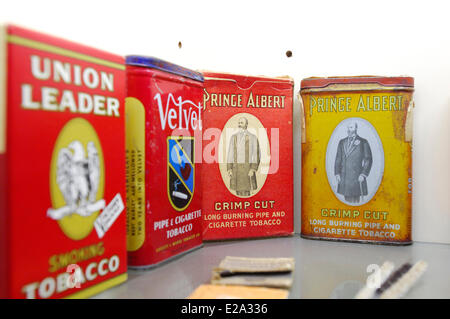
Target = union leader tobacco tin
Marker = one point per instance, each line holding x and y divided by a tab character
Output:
247	154
163	129
356	159
62	162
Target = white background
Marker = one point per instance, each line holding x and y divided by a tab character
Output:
326	37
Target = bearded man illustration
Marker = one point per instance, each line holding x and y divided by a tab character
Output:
352	165
243	160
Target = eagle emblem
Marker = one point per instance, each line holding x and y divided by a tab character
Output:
78	177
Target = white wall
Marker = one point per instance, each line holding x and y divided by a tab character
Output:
326	37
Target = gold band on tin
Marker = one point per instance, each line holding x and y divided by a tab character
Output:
3	90
64	52
93	290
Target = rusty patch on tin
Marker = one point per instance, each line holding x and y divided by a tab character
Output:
389	207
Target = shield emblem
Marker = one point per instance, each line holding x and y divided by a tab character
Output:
180	171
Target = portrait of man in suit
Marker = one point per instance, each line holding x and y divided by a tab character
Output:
352	165
243	159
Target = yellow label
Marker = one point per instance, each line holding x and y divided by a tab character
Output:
3	88
135	170
356	166
77	179
93	290
61	51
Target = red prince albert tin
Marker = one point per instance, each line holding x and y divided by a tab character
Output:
163	127
248	159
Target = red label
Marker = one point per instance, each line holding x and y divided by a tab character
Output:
247	153
170	222
65	164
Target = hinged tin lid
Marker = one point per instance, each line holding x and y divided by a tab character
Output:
246	82
327	83
155	63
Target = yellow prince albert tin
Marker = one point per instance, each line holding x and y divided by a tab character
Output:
356	159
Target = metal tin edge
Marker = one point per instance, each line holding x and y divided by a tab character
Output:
215	75
218	240
161	65
171	258
382	81
100	287
3	86
360	241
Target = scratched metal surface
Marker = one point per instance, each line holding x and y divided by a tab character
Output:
323	269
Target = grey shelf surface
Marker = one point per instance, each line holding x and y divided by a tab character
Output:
323	269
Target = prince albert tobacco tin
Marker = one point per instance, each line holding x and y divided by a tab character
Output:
163	129
247	148
356	159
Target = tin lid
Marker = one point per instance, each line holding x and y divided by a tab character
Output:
155	63
245	82
318	82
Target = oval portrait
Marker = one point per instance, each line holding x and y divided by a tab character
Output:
77	179
354	161
244	155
